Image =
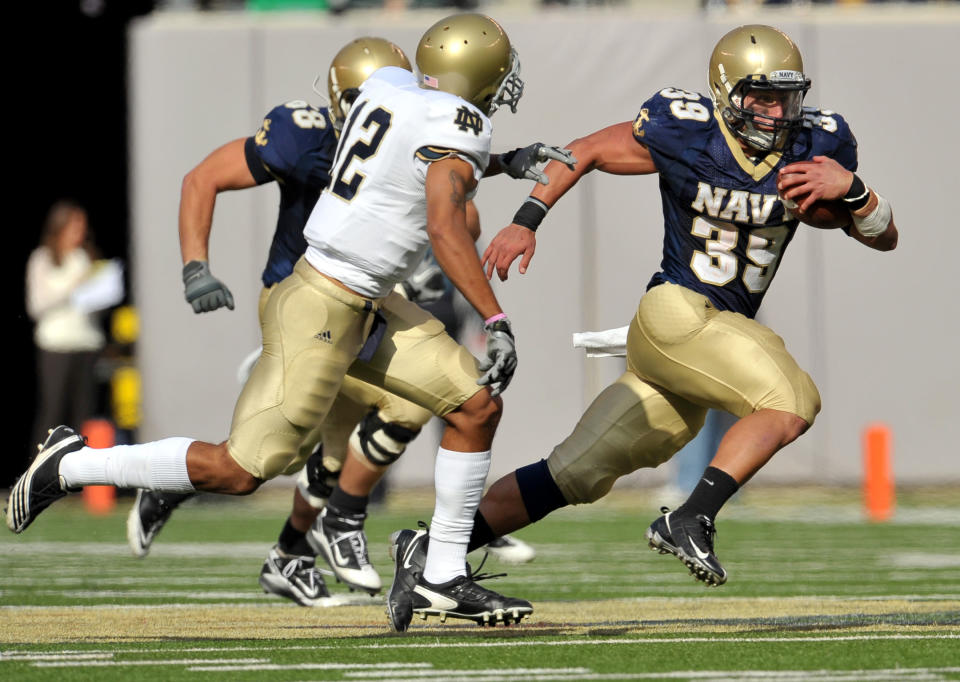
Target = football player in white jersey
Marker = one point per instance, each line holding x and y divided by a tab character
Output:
295	147
337	313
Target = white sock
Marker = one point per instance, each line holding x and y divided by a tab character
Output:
459	479
160	465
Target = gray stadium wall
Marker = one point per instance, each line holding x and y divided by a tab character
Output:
877	331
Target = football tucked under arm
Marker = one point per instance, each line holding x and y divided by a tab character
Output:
825	214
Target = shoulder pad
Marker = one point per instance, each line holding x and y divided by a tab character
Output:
671	115
454	124
302	115
290	131
394	75
830	135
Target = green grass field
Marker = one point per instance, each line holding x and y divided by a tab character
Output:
815	593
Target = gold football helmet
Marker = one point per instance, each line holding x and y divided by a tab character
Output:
469	55
761	58
352	65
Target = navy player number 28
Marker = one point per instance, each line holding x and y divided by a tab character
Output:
306	116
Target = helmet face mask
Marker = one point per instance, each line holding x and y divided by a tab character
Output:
510	89
758	62
352	65
469	55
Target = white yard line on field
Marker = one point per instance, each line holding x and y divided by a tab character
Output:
894	675
62	656
158	661
647	641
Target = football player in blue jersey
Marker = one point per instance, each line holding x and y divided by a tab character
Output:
738	171
294	147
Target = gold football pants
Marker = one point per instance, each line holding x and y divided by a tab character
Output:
683	357
312	332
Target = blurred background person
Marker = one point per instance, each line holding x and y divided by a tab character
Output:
68	338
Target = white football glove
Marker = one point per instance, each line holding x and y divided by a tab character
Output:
501	360
521	163
202	290
426	284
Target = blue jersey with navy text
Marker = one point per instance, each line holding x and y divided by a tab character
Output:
725	230
294	146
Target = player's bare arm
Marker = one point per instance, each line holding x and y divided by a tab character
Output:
824	178
473	220
224	169
448	182
611	150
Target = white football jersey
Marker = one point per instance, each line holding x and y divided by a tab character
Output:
368	229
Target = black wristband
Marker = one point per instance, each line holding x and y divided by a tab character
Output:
858	195
530	214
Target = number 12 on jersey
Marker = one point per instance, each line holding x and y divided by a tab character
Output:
347	180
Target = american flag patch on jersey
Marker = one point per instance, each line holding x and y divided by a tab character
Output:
431	81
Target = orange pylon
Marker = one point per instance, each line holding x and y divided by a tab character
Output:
878	484
99	499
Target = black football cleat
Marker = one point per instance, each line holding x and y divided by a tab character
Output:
510	550
463	598
339	539
689	538
41	485
293	577
408	549
150	511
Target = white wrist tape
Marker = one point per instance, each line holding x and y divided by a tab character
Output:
877	221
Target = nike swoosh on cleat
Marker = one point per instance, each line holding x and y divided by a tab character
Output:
340	560
410	552
700	552
437	601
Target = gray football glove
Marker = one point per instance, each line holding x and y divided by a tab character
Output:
521	163
501	360
426	284
202	290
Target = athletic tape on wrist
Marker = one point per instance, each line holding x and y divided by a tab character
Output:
531	213
876	222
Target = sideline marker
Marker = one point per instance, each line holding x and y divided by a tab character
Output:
99	499
878	484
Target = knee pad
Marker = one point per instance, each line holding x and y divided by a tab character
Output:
381	442
538	490
315	481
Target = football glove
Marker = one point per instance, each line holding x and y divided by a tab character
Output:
501	359
426	284
202	290
521	163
